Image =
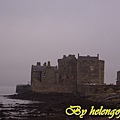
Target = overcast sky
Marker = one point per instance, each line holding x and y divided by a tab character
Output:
42	30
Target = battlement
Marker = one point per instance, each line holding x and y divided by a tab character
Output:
69	57
88	57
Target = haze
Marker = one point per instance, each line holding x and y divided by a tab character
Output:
43	30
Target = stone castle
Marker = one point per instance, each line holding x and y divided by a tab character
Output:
70	76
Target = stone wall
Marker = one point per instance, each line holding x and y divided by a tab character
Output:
23	88
101	71
67	69
58	88
48	75
90	89
90	70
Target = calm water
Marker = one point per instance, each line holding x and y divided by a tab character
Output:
13	108
7	101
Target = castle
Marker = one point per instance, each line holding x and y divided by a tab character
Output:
70	76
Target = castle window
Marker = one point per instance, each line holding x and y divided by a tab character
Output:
40	76
44	75
37	75
91	68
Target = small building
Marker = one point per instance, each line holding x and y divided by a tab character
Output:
21	88
118	78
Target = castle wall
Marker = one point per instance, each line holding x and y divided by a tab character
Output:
87	72
23	88
48	75
41	87
90	89
101	71
67	70
90	70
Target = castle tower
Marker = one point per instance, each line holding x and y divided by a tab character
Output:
90	70
67	67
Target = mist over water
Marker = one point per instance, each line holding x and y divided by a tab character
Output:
7	90
44	30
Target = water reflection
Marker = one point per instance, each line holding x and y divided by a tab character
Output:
15	108
12	102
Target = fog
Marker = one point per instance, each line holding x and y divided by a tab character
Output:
45	30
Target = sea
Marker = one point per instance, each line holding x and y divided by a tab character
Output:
8	106
7	90
11	90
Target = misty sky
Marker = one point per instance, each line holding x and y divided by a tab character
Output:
42	30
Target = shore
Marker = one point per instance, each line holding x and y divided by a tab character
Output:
50	106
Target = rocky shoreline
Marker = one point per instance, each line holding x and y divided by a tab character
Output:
51	106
